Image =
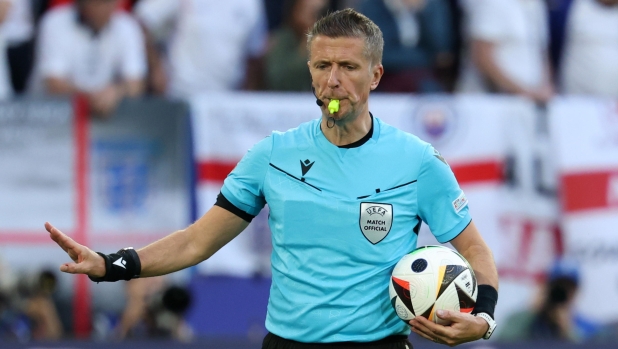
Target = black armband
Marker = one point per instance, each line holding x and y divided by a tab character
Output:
486	300
224	203
122	265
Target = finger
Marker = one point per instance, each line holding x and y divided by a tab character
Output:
73	268
431	329
61	240
422	334
55	235
66	243
419	326
451	316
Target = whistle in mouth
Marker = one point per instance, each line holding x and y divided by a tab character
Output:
333	106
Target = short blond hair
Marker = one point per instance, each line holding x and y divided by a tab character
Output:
352	24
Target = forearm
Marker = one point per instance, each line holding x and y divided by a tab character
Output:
254	74
474	249
169	254
483	57
131	88
59	86
5	7
192	245
482	262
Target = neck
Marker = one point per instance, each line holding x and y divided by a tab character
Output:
346	130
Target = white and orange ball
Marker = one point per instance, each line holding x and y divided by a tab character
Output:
432	278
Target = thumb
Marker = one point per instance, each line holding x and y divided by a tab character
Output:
73	268
445	314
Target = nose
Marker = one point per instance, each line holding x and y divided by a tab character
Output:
333	78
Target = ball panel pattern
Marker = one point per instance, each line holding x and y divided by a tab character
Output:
431	278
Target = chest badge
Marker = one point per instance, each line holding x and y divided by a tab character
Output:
375	220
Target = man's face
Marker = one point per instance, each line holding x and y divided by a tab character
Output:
340	70
98	12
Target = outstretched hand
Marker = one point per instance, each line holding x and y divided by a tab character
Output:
463	328
85	260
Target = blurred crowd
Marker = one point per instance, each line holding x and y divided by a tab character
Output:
112	49
108	50
33	309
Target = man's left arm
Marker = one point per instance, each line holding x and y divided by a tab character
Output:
464	327
471	245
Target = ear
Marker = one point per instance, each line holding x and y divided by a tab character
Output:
376	74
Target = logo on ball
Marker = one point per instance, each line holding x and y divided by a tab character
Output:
401	311
419	265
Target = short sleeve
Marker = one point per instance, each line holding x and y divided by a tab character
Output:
442	203
155	14
53	47
134	64
258	36
485	20
243	187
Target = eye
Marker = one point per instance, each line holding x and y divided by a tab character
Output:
350	67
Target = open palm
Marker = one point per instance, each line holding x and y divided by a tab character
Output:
85	260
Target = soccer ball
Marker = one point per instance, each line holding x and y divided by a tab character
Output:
431	278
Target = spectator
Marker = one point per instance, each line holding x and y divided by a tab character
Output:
590	61
286	61
165	315
19	33
89	47
507	48
210	45
417	39
155	309
138	293
274	13
39	306
554	316
122	4
5	81
8	314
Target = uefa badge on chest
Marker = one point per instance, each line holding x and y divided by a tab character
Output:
375	220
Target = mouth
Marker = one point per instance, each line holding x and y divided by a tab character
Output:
333	105
337	98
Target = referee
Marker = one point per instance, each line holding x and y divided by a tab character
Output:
347	194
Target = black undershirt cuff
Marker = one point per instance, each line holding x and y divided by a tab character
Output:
486	300
224	203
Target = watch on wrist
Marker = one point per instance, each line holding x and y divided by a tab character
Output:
490	322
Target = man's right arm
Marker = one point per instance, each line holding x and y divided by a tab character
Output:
184	248
174	252
192	245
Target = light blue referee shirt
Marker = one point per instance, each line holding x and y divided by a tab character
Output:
341	218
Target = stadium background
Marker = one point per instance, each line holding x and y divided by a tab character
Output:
542	181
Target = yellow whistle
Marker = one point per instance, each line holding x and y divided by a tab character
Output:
333	106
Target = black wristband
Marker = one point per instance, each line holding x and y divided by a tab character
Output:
122	265
486	300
